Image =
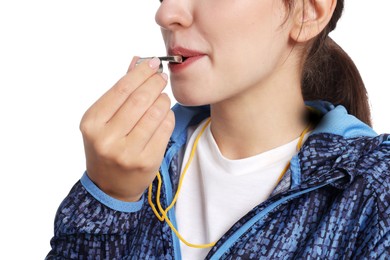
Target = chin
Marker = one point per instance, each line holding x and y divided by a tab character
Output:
189	99
189	103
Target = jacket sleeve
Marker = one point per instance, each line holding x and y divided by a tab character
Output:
89	224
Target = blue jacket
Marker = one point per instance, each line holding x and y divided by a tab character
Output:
336	206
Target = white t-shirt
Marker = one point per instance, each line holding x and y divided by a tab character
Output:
217	192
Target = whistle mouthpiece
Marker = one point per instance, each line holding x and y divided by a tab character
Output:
172	59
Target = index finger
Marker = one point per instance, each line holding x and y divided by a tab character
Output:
107	105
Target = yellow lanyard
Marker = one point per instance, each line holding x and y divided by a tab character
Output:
164	213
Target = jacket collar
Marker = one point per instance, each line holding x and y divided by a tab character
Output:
337	121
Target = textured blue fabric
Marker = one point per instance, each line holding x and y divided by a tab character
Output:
337	207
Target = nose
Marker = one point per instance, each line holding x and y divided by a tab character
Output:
174	14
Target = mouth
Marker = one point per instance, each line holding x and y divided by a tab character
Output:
188	57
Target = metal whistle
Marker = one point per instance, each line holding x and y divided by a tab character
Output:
172	59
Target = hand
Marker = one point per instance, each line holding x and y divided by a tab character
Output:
126	132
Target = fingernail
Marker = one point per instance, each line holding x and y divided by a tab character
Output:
165	76
154	63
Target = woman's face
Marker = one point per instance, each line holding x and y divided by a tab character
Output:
233	46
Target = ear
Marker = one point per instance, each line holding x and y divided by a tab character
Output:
310	17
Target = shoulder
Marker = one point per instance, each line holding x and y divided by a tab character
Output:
364	161
370	167
373	160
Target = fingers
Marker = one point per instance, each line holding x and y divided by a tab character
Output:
157	121
127	130
158	143
105	107
137	104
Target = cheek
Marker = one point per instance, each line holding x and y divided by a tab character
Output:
248	29
251	52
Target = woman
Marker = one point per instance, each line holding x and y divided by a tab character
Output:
267	175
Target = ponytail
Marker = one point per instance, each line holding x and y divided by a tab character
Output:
330	74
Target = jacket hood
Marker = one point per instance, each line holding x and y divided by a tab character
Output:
337	121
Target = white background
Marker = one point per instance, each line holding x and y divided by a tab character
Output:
58	57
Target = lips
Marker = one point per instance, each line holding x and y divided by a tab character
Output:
189	57
186	53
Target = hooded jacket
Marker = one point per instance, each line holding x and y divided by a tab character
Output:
336	206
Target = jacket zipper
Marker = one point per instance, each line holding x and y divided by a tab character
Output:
169	196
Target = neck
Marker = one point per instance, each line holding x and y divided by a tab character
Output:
259	120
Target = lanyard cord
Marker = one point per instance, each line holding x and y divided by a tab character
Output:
164	213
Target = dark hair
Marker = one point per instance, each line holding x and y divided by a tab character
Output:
330	74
